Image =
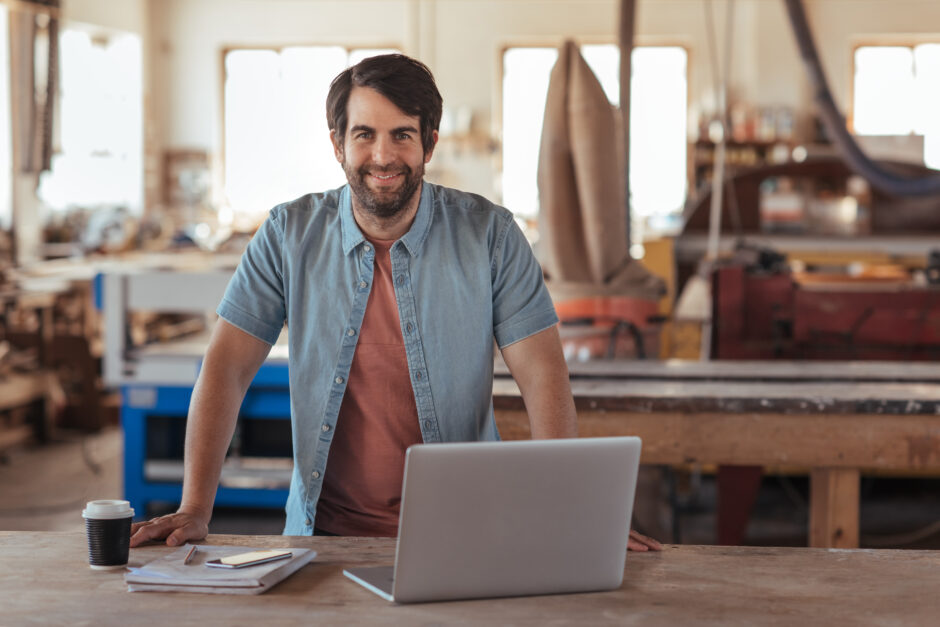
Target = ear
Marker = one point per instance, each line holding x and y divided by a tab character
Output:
427	155
337	145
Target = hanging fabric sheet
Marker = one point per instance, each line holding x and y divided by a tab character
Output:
583	244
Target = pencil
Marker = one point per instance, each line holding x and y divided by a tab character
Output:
189	556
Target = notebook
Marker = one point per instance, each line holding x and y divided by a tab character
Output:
170	573
481	520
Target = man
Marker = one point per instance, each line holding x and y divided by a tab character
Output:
393	291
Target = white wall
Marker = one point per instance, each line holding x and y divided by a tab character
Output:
126	15
461	40
193	34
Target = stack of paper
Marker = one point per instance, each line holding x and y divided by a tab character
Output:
170	574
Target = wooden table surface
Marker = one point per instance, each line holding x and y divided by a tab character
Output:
836	421
44	579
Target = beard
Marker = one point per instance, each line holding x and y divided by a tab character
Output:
384	204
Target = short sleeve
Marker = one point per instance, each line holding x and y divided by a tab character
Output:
521	304
254	299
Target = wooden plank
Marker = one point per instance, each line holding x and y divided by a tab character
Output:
749	370
46	581
11	436
899	442
834	503
741	396
17	390
692	246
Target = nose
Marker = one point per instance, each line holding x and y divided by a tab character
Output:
383	153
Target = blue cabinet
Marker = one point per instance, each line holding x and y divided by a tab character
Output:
268	398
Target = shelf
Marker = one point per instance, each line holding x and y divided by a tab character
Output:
272	473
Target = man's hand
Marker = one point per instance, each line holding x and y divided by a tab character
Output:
231	362
639	542
176	528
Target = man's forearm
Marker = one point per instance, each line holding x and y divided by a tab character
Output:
213	412
232	359
537	363
231	362
551	407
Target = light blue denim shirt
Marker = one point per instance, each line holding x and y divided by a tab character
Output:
463	275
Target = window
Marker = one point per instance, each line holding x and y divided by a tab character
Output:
897	92
98	161
277	145
658	118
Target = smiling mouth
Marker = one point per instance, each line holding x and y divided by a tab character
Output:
386	177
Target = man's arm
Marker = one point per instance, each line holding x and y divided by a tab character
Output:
537	363
232	359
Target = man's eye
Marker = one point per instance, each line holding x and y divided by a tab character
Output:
404	136
363	135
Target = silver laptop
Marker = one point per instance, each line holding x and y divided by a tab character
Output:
510	519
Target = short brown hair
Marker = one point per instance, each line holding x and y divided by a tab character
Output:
407	82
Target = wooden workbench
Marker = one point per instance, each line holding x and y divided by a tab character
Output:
44	579
837	419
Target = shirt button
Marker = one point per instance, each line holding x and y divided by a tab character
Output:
338	379
409	327
367	248
418	375
308	522
325	428
316	474
350	332
427	424
363	284
401	280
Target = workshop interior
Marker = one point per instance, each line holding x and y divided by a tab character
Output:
735	203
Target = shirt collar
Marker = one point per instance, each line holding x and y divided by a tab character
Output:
413	239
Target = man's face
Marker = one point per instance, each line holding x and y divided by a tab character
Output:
381	153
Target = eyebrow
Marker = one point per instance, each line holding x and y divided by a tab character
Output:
400	129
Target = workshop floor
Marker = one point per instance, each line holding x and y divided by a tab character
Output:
44	488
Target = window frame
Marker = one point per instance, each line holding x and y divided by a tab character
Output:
881	41
96	33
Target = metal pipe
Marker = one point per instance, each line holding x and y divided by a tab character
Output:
857	160
721	87
627	22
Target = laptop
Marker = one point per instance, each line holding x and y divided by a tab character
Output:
496	519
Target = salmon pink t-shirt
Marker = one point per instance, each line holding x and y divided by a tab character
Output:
378	421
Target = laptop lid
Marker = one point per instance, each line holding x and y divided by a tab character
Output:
514	518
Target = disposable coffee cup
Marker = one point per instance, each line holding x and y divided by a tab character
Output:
108	524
